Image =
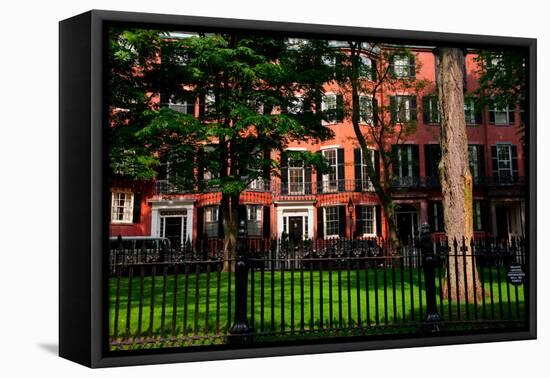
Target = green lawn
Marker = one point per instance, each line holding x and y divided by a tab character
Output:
199	304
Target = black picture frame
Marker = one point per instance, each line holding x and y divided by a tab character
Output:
82	197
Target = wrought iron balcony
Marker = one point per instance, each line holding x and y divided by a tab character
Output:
302	189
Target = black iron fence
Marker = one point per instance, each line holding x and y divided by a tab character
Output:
284	290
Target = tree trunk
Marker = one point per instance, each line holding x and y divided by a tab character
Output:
455	177
230	205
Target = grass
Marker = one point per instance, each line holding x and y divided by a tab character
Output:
200	305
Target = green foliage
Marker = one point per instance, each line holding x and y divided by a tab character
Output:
502	77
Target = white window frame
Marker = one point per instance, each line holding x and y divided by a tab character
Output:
254	217
366	183
406	109
211	212
365	72
366	114
296	105
469	111
473	160
477	216
400	63
431	100
127	208
331	185
508	171
301	188
400	149
325	222
326	105
373	221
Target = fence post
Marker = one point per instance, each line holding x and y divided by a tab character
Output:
432	320
240	332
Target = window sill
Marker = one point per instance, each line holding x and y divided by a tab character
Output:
122	223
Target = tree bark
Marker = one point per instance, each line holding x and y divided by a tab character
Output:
230	206
456	179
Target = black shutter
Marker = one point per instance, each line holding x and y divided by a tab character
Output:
512	115
431	217
374	72
307	179
241	215
392	66
440	219
478	111
480	161
284	172
494	162
357	166
200	222
320	223
266	233
428	160
220	222
358	220
136	218
415	161
377	164
484	216
414	108
341	170
339	108
412	66
395	159
393	109
426	110
378	210
491	112
375	112
319	188
342	221
515	172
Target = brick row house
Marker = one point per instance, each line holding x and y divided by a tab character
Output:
303	204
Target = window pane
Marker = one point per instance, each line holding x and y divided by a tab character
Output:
330	179
331	221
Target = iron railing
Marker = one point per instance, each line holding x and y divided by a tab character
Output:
280	290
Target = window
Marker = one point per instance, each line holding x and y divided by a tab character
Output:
437	223
332	105
403	108
366	183
122	206
331	221
403	66
405	162
430	109
182	106
209	102
478	222
469	111
473	155
296	105
368	221
365	68
330	180
501	116
504	161
296	177
254	220
365	109
211	221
